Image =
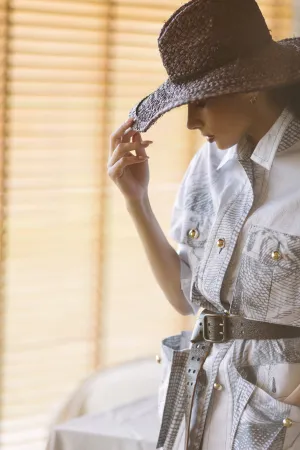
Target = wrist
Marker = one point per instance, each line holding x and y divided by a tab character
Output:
138	205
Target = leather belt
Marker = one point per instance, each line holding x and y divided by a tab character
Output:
218	327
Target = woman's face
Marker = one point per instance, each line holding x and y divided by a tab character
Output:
227	118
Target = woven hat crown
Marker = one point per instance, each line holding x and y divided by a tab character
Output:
203	35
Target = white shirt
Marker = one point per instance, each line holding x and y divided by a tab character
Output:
269	208
236	220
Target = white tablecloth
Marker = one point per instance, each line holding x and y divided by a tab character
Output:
129	427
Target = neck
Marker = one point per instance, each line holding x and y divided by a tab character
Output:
265	115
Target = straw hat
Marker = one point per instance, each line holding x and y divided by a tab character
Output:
216	47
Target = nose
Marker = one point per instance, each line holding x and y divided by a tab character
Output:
191	126
193	120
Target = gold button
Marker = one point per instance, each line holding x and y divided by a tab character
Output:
193	233
218	387
221	243
158	359
276	255
287	422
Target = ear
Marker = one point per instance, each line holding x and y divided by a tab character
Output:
249	95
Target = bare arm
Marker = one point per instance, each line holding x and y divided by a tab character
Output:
130	173
163	259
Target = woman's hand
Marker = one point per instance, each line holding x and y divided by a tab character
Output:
128	171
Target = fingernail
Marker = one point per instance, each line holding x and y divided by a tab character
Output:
148	142
129	120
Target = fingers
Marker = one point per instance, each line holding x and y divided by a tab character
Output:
140	148
117	136
128	135
125	149
117	170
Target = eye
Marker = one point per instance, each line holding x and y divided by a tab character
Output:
200	103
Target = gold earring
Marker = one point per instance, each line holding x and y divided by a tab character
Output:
253	99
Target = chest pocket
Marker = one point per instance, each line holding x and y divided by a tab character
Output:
268	284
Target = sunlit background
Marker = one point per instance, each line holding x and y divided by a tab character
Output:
77	294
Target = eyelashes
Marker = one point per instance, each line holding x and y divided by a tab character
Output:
200	103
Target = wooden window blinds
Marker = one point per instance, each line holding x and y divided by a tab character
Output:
73	295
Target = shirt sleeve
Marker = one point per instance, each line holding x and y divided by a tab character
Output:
186	277
178	231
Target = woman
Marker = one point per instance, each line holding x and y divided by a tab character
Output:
236	220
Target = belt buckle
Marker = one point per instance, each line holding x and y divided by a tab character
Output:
222	325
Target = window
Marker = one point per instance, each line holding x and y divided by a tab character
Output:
73	295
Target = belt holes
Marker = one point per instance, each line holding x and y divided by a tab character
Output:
193	357
194	371
198	359
189	370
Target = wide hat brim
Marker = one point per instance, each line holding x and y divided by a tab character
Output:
276	64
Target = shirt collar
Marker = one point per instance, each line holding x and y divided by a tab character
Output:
230	154
267	147
265	150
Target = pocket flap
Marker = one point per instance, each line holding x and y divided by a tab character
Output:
263	242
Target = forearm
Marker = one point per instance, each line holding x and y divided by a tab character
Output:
163	259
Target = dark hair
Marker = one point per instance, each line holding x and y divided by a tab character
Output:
289	96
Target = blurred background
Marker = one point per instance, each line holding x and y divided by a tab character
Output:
77	295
